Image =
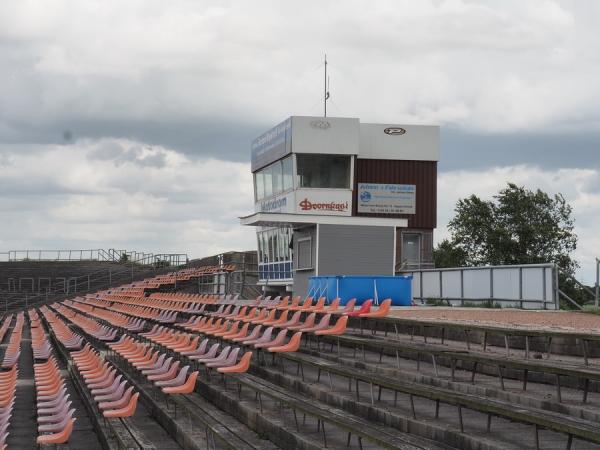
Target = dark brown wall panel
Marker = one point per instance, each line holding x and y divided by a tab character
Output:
423	174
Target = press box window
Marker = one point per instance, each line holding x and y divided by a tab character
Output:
274	179
304	253
323	171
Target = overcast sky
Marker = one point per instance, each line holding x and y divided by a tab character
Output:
127	123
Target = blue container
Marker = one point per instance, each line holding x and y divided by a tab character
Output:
376	287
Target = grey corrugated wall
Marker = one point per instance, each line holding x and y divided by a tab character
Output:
356	250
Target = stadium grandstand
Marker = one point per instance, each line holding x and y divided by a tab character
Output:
182	355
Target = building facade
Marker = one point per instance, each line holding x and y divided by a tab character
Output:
334	196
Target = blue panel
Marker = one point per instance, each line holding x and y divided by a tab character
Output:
399	288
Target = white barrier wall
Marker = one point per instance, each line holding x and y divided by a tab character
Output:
526	286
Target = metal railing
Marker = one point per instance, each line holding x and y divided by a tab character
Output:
98	254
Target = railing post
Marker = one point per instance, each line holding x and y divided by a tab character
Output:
597	299
556	287
109	278
89	285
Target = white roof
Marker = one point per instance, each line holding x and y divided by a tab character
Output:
279	219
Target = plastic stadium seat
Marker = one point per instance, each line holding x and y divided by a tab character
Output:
364	308
266	336
338	329
309	322
185	388
349	307
295	320
241	367
57	438
322	325
382	311
292	346
276	342
127	411
333	306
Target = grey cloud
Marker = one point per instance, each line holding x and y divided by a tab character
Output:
36	187
461	150
227	139
119	154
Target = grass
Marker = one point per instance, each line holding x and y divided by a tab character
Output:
480	304
591	309
436	302
483	304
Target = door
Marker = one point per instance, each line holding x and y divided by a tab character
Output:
411	250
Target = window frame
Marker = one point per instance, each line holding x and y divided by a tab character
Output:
350	175
310	255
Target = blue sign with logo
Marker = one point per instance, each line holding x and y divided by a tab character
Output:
272	145
379	198
365	196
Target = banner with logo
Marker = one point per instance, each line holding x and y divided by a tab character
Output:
283	203
333	202
386	198
272	145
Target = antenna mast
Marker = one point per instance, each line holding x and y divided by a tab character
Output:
325	88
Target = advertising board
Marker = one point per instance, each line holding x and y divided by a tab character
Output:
272	145
334	202
283	203
386	198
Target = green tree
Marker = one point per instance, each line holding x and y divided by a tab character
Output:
448	255
518	226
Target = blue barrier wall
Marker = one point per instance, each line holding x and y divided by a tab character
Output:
378	288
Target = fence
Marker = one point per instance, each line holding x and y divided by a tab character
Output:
111	254
597	287
531	286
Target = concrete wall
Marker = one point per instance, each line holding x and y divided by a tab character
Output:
356	250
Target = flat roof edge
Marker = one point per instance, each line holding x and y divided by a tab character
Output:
273	219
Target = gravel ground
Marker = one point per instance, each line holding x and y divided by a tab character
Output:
544	320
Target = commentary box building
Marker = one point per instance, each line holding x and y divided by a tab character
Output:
334	196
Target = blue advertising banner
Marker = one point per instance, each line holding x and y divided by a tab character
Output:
272	145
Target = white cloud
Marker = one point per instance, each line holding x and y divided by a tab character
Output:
577	185
480	65
66	197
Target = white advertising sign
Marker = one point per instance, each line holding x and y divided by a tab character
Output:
332	202
386	198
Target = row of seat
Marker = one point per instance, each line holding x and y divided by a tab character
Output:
54	415
13	349
181	343
118	319
159	370
8	388
172	277
101	332
98	375
67	337
5	326
178	342
140	300
115	398
310	323
8	377
194	298
120	315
